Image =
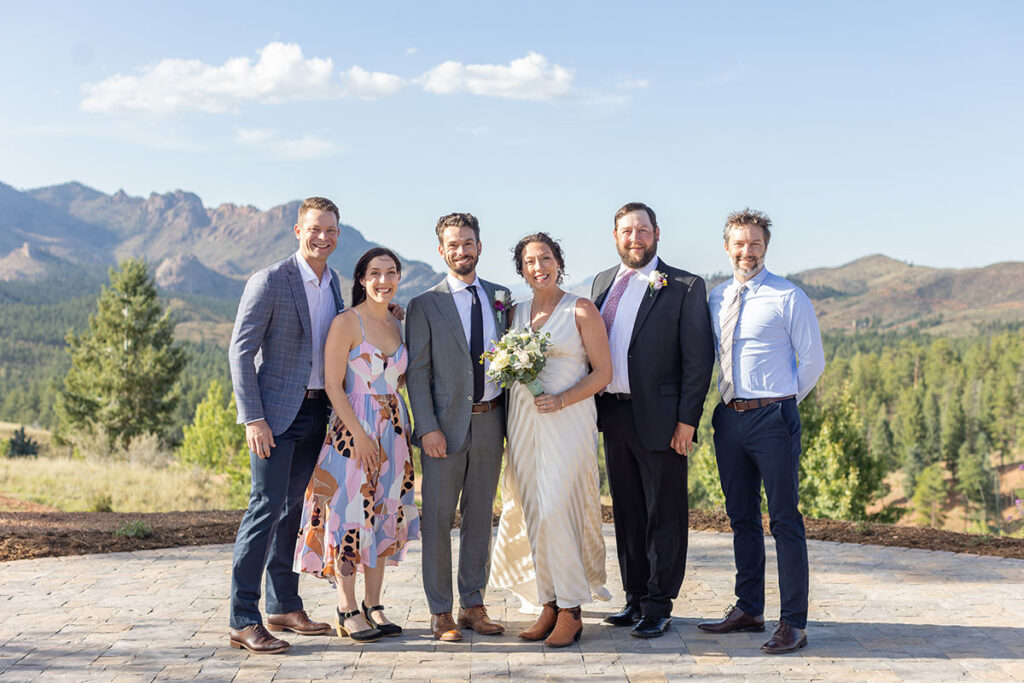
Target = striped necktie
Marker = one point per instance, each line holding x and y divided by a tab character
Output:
732	316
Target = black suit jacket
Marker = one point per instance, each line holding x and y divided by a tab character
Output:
671	354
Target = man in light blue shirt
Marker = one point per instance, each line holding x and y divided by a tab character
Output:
770	356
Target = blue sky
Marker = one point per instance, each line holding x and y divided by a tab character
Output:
862	127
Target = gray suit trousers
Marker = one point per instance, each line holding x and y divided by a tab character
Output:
473	472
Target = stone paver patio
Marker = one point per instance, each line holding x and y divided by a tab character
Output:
876	614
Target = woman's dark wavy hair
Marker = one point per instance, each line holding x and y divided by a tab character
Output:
543	238
358	291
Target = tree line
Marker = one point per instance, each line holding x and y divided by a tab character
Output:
939	416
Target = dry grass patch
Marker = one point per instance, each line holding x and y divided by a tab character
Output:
102	485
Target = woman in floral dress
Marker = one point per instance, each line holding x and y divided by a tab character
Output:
359	511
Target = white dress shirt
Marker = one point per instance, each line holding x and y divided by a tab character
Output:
776	349
464	304
625	317
322	309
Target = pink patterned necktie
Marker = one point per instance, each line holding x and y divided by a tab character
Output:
611	305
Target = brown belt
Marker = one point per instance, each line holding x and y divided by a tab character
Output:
486	406
314	393
740	405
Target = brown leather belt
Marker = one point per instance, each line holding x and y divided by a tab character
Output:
740	405
314	393
486	406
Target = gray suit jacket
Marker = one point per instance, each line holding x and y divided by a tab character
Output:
271	350
440	374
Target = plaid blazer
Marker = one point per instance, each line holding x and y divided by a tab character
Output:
271	350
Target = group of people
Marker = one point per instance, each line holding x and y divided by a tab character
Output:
318	384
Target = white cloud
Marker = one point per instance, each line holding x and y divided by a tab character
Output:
283	74
171	85
370	86
411	50
637	84
529	78
268	143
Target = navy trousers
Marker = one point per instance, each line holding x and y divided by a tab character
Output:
754	446
266	537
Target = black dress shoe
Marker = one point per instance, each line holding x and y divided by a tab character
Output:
651	627
785	639
735	620
627	616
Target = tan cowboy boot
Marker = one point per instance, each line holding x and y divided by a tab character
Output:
568	628
545	622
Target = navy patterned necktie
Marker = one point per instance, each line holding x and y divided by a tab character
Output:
476	345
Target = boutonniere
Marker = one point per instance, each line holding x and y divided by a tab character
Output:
502	302
655	281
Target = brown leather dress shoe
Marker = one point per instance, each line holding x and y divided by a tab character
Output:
444	629
544	624
257	640
568	628
785	639
298	622
735	620
476	618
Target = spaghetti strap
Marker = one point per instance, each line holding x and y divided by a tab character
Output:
361	328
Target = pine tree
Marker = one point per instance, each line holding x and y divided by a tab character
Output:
123	368
20	444
216	442
929	495
838	475
975	478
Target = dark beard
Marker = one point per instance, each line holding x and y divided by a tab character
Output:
463	269
637	263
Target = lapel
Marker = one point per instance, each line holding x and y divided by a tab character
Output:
646	304
299	294
445	302
339	303
602	283
491	293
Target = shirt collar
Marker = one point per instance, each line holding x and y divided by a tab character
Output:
645	271
307	272
754	282
456	285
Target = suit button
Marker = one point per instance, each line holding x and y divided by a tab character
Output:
469	398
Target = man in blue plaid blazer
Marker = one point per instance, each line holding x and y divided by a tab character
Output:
277	361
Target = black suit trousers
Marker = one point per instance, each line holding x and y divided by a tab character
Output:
649	500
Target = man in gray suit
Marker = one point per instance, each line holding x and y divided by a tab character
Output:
459	422
277	369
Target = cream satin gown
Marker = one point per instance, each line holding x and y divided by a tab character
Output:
549	539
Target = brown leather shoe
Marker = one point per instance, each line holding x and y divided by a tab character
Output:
297	621
544	624
257	640
568	628
443	627
476	618
735	620
785	639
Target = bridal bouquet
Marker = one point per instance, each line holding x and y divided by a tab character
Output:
519	357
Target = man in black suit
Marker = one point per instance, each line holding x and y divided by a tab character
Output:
662	356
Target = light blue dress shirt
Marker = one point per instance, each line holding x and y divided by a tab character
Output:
776	348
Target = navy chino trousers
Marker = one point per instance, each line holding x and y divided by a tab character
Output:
266	536
754	446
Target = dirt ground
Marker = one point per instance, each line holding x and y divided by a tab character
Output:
35	531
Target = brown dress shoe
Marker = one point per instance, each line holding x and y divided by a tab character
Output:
476	618
568	628
443	627
257	640
735	620
297	621
544	624
785	639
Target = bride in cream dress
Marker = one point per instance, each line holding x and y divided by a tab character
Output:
550	550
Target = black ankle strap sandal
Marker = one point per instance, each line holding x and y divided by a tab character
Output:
368	635
385	629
